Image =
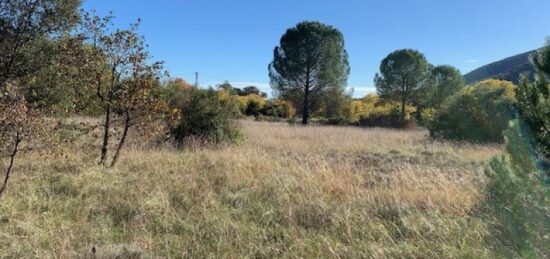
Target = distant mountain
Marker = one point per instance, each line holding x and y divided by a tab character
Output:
507	69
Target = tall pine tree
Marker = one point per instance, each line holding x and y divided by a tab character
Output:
310	62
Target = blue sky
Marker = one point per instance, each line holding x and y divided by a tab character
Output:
234	39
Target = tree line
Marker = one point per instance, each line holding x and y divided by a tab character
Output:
310	68
58	60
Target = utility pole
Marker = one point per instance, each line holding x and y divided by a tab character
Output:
196	79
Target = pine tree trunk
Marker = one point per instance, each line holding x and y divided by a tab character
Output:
305	107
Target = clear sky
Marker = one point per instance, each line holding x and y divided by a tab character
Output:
234	39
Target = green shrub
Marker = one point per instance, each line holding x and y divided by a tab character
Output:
518	199
374	112
251	105
371	111
427	116
333	104
279	108
478	113
204	114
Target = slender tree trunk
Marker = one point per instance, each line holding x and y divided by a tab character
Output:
305	107
106	128
123	138
12	162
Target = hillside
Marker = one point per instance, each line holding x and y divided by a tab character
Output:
507	69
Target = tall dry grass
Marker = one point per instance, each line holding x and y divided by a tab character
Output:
284	192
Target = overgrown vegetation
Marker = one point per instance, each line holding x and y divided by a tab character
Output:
72	83
24	25
479	113
519	198
286	191
373	111
205	115
519	191
534	99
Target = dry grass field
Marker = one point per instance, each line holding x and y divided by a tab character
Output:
298	192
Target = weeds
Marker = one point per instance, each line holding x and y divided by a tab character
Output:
284	192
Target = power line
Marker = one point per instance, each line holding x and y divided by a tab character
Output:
215	77
196	75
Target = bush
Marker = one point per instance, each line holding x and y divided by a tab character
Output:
333	105
257	105
427	116
389	115
370	111
357	111
279	108
478	113
375	113
205	114
251	105
519	200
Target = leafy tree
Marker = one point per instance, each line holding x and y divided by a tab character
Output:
446	81
181	83
252	90
168	90
59	87
372	111
404	75
118	72
310	61
334	105
134	100
249	90
22	25
357	110
230	89
534	99
479	113
252	104
279	108
230	101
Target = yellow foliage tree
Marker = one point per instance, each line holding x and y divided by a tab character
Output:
357	111
372	111
251	104
478	113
